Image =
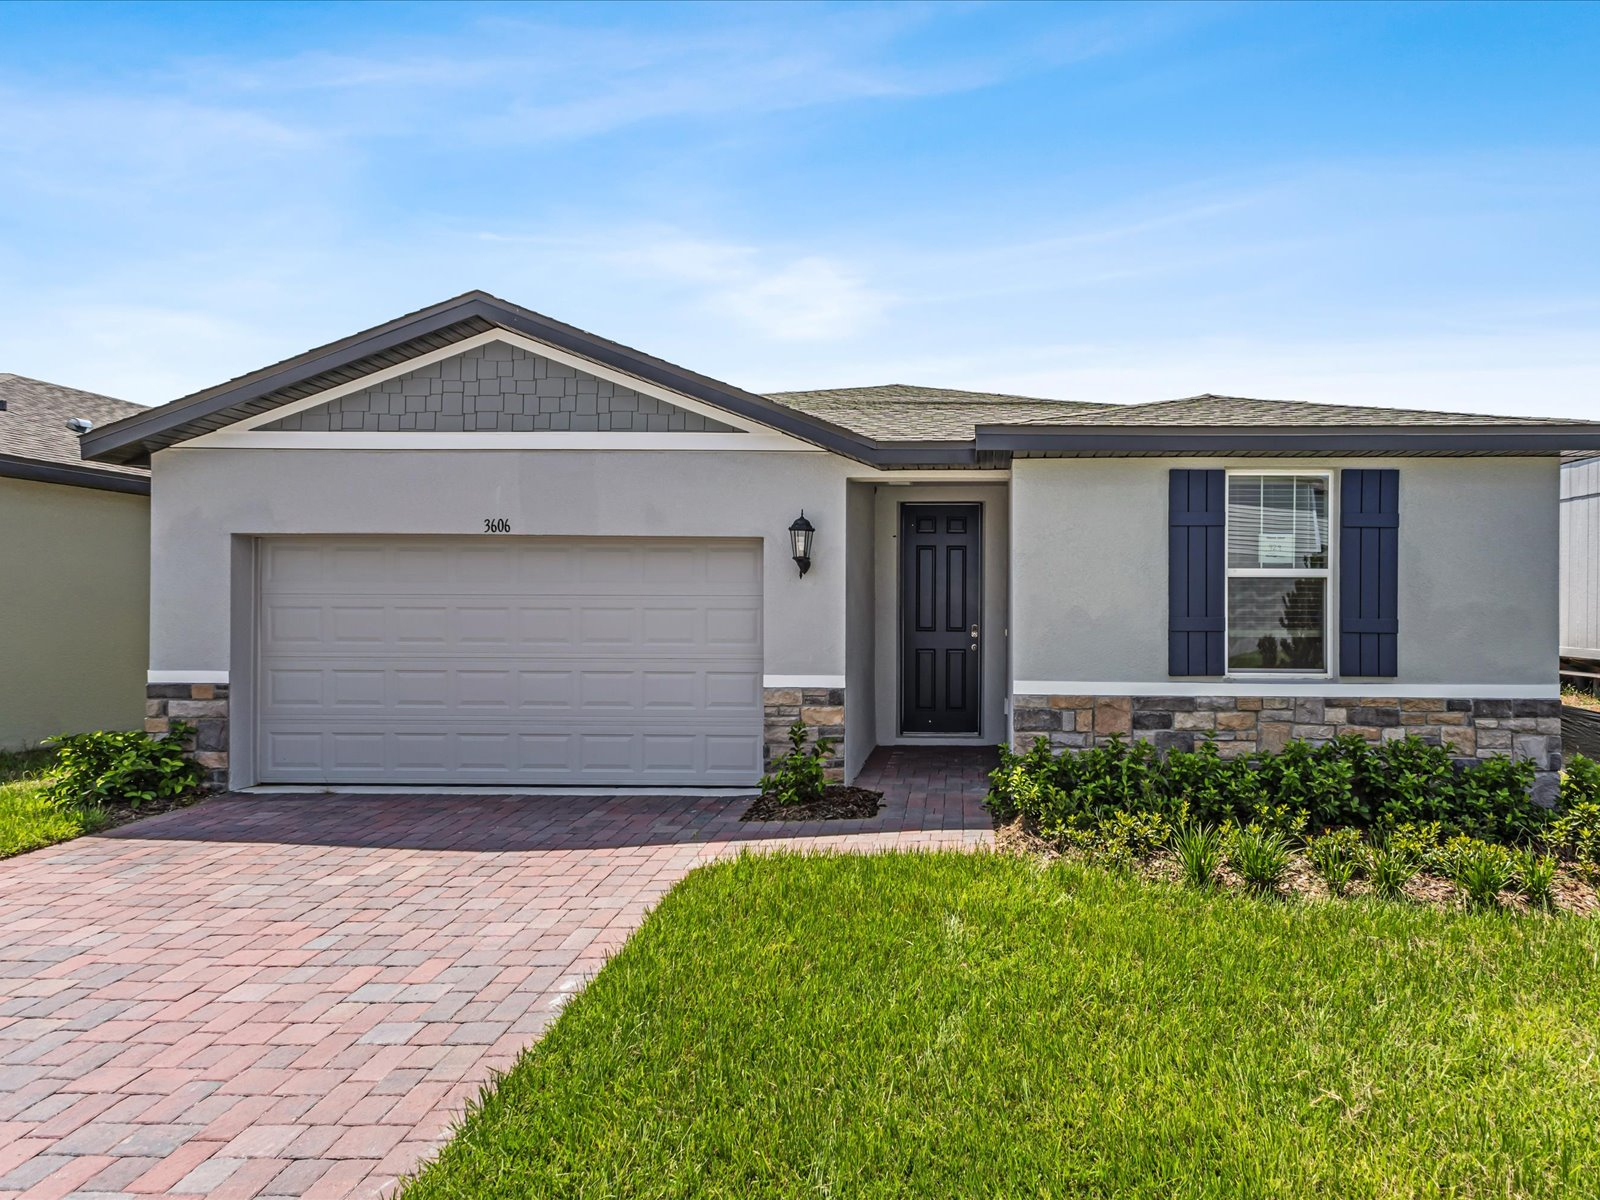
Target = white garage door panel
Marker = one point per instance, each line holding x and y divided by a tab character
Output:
509	661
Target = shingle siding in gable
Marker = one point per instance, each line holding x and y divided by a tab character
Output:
498	388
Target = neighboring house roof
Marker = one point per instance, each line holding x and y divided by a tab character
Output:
36	442
893	425
900	412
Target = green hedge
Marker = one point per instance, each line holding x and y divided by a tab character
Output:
1345	783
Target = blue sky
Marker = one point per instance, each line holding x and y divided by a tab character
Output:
1388	204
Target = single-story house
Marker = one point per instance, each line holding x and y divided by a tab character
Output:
1580	560
74	569
478	546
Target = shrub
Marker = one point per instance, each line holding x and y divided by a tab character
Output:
1121	839
1318	781
1580	781
1199	851
1260	857
1390	866
1575	835
129	767
797	777
1347	782
1336	856
1481	869
1536	875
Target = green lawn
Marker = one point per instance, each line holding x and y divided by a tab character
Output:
27	819
972	1025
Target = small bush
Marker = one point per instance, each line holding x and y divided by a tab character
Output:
1580	781
1199	851
1261	857
1575	835
797	777
1536	876
1481	869
1390	866
1336	856
131	768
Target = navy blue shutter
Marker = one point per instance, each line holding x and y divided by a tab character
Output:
1196	572
1369	567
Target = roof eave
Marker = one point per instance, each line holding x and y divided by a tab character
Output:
71	475
130	441
1528	439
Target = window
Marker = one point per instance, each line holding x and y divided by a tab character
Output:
1278	573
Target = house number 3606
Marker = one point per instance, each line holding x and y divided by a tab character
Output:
496	525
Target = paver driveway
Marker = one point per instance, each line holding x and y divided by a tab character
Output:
292	996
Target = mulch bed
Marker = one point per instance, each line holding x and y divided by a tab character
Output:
120	813
838	803
1572	894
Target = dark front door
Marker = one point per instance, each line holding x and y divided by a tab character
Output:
941	598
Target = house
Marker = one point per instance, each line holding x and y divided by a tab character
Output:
478	546
1580	560
74	569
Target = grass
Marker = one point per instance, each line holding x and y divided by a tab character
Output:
29	819
1580	697
980	1026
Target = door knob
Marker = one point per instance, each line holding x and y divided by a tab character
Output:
974	632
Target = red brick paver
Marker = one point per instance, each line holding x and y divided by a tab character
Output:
293	996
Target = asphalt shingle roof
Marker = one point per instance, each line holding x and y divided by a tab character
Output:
33	424
903	413
898	412
1246	411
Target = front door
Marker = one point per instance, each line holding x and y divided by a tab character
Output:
941	599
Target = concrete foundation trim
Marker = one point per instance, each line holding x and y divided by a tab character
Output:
1241	725
203	705
822	711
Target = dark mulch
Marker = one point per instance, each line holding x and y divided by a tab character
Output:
838	803
118	813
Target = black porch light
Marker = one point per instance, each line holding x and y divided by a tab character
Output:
800	534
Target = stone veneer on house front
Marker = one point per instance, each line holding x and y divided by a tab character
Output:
1473	729
822	710
203	705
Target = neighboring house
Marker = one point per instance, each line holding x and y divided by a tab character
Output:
478	546
1580	559
74	569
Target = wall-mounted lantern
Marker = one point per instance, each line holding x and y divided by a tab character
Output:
800	534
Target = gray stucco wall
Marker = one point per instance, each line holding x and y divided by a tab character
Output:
1478	569
996	600
502	388
1580	559
74	610
204	497
860	635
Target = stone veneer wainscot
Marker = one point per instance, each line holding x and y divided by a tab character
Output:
203	705
1241	725
822	710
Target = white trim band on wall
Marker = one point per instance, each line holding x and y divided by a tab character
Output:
187	677
802	681
1269	687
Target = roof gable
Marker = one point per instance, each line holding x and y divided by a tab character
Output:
497	387
387	349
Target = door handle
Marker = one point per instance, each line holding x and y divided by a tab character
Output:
974	633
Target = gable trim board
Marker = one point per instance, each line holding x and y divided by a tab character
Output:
248	432
459	319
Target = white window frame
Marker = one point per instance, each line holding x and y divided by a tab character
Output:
1230	573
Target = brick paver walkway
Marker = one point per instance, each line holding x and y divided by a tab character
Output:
292	996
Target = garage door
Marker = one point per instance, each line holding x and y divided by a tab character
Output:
514	661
